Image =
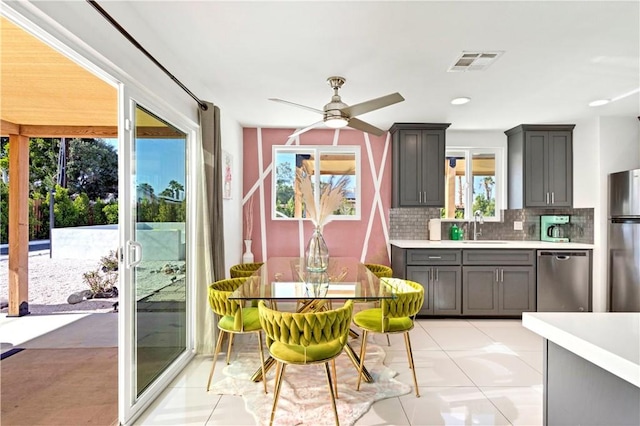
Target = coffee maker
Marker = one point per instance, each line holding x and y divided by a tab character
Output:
552	228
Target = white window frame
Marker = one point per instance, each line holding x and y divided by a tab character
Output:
500	179
317	151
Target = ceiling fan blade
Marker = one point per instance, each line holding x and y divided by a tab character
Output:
372	104
354	123
314	125
297	105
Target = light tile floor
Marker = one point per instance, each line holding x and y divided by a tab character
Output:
470	372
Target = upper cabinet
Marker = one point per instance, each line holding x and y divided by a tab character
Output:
418	164
540	166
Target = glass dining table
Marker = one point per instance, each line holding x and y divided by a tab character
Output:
286	279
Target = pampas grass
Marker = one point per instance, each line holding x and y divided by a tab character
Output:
331	197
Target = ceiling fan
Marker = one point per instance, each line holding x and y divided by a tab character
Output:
337	114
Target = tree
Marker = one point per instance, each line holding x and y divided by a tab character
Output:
146	191
284	189
176	188
43	164
4	160
92	167
485	201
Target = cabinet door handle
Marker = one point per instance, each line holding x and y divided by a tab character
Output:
497	280
501	275
547	198
420	194
553	198
430	273
425	197
435	257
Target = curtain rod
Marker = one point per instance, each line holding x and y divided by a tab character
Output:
96	6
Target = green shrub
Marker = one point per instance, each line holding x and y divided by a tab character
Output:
111	213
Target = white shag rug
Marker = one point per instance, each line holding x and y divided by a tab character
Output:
304	396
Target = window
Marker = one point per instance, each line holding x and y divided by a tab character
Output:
472	183
325	165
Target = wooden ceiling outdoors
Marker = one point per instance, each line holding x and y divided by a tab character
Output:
47	94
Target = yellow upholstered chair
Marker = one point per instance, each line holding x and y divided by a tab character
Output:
306	338
233	319
244	269
395	315
380	271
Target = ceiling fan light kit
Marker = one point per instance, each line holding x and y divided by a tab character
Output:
336	122
337	114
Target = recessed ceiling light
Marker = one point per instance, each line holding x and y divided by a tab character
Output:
599	102
460	101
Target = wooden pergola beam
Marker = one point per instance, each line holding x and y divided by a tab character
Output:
87	132
39	131
18	226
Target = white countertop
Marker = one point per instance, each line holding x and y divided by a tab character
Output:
494	244
610	340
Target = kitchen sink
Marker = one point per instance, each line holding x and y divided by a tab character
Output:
483	242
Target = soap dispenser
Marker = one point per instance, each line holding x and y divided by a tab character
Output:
455	233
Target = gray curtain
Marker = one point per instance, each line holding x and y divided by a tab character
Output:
210	254
212	146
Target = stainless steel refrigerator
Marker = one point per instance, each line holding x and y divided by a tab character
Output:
624	241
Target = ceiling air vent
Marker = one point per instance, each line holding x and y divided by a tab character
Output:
474	61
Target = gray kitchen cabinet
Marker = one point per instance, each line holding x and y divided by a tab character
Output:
438	271
540	166
442	287
417	172
498	287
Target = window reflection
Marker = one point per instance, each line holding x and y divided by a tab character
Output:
160	215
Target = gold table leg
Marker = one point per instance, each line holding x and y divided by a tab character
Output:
268	363
355	359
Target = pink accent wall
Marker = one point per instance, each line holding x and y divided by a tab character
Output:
344	238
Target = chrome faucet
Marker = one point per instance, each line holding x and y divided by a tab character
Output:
477	218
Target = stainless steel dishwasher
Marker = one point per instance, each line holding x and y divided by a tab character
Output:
564	281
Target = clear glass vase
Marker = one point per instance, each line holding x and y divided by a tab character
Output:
317	253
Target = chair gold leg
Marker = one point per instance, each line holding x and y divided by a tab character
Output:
215	357
229	348
407	342
279	374
388	341
333	396
335	376
363	349
264	375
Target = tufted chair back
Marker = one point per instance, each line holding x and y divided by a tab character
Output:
380	271
234	319
220	303
306	329
244	269
408	300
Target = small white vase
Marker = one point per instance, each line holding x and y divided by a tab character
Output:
247	256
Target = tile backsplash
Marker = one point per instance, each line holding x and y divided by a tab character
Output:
411	224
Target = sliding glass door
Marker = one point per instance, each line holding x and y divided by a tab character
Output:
155	331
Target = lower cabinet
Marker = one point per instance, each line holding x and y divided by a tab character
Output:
473	282
442	288
498	290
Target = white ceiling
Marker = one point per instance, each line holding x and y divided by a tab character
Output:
558	57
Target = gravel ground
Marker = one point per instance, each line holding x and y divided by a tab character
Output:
51	281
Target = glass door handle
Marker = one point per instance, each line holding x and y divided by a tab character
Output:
132	254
